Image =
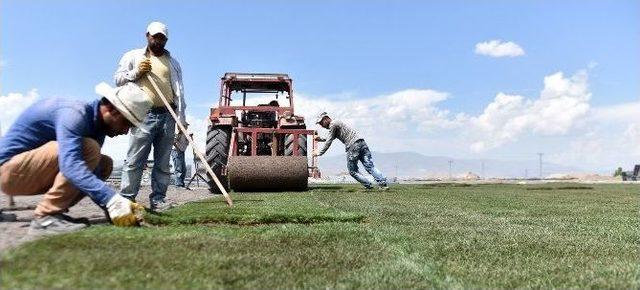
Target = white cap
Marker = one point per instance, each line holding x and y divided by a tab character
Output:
157	27
130	100
321	116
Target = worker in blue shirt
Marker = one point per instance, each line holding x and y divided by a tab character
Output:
53	148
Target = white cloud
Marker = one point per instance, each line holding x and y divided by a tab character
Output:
562	103
515	125
619	113
403	120
631	139
502	120
391	121
604	146
608	137
13	104
499	48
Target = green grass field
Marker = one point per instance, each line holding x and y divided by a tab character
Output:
414	236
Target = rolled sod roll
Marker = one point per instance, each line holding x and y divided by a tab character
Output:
268	173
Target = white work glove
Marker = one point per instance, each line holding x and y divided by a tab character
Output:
123	211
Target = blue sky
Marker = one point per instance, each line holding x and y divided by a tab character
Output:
355	51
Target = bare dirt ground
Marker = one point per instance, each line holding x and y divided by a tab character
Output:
15	233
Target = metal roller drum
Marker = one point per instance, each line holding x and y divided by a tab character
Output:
268	173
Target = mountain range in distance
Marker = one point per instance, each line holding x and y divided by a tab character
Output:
416	165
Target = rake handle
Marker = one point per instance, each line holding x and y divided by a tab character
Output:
226	195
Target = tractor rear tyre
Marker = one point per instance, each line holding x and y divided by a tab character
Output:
218	139
302	145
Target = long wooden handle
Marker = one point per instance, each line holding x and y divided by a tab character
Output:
314	149
193	144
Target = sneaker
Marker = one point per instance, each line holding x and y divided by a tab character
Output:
161	205
383	188
53	224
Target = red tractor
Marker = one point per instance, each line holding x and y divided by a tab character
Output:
263	146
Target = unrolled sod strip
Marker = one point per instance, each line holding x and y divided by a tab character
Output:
268	173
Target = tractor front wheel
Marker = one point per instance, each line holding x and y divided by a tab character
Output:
218	139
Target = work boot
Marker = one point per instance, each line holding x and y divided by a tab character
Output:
53	224
7	217
161	205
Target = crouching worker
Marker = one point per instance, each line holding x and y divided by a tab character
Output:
53	148
356	148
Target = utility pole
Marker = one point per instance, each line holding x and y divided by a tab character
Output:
526	173
540	165
450	163
482	170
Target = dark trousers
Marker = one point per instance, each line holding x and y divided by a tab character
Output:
179	167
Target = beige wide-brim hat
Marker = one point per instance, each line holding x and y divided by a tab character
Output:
130	100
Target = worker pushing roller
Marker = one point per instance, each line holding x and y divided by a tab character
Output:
356	148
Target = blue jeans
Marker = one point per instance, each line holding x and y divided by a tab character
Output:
179	166
359	151
161	132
